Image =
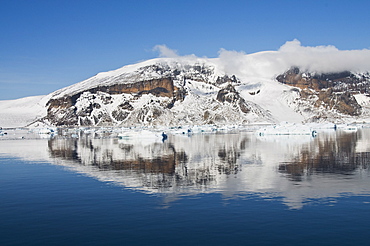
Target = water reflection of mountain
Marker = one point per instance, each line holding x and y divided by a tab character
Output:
330	154
296	168
178	162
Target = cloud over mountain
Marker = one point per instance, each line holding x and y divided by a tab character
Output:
319	59
268	64
164	51
324	59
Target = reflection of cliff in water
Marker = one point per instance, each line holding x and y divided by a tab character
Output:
332	154
294	168
157	165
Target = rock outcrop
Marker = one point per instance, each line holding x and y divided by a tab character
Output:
149	96
63	111
332	91
98	109
230	95
342	102
339	82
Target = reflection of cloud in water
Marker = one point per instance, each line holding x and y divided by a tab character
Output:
295	169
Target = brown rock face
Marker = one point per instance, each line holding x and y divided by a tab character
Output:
344	102
334	91
159	87
230	95
62	111
339	82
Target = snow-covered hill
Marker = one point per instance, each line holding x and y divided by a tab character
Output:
234	88
22	112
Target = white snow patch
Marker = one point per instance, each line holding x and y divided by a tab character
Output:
22	112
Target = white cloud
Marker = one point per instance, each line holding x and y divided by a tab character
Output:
269	64
319	59
258	65
232	61
164	51
295	46
324	59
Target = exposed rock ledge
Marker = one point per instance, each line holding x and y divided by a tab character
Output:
62	111
339	82
332	91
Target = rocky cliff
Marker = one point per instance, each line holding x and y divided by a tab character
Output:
67	110
338	82
333	91
158	94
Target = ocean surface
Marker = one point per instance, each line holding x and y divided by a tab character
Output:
206	189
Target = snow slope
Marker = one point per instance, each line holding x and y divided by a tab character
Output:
22	112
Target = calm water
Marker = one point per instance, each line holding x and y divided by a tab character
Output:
224	189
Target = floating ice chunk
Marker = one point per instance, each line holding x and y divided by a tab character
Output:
48	131
142	135
286	129
348	128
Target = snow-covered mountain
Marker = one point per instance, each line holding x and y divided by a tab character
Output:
255	88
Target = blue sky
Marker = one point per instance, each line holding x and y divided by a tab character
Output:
46	45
